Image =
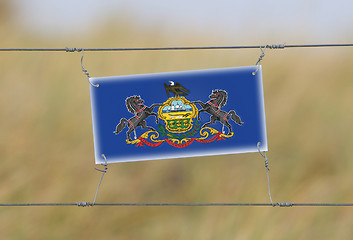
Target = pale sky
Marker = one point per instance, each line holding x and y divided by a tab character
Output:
315	20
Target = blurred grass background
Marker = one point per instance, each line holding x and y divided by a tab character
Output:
46	145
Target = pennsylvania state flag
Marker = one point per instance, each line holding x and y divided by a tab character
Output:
179	114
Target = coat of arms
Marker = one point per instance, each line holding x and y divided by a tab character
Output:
181	123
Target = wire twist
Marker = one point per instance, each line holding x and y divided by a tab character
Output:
262	55
276	46
67	49
260	59
263	154
83	69
103	172
84	204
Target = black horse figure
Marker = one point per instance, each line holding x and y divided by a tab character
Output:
135	105
213	107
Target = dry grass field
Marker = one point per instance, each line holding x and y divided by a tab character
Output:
46	146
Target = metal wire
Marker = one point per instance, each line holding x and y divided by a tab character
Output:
82	67
35	204
269	46
282	204
103	172
263	154
88	204
260	59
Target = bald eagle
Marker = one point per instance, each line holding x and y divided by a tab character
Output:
175	88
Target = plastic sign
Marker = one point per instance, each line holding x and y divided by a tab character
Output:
179	114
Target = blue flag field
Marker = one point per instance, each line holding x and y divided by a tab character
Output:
178	114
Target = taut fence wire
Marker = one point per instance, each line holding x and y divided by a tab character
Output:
89	204
269	46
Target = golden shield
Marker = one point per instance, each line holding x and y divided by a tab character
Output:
178	113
